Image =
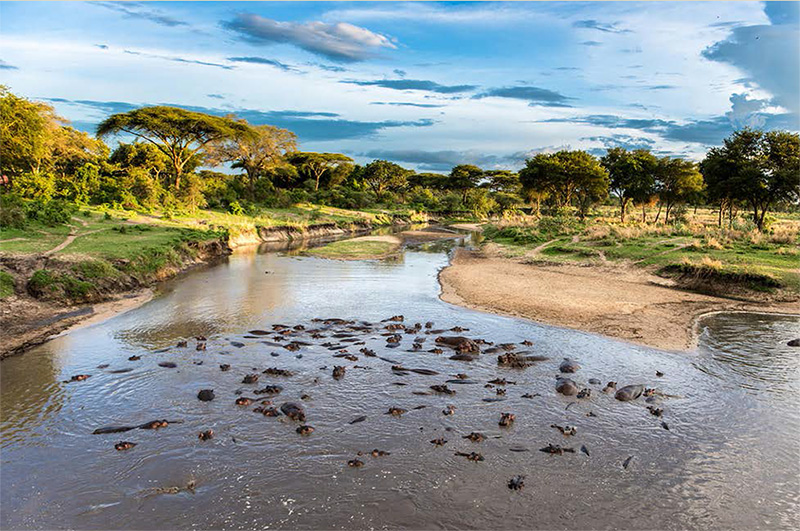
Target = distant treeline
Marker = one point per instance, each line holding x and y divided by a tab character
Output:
159	160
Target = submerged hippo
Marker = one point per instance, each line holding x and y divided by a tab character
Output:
439	442
396	411
459	343
206	435
475	437
338	372
516	483
293	411
472	456
443	389
629	392
610	386
566	387
568	365
556	449
206	395
305	429
507	419
794	343
124	445
250	379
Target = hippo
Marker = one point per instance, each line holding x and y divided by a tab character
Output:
258	333
472	456
566	387
395	318
200	346
449	410
594	381
78	378
269	390
134	358
556	449
367	352
584	393
206	395
629	392
338	372
527	343
250	379
565	430
462	357
274	371
501	381
475	437
243	401
568	366
182	344
379	453
794	343
610	386
293	411
206	435
268	411
355	463
516	483
224	367
507	419
154	425
305	429
439	442
396	411
459	343
124	445
655	411
443	389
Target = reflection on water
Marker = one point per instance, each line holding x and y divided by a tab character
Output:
729	459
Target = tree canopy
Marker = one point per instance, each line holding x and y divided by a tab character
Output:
315	165
180	134
382	176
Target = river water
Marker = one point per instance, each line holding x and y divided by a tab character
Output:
730	458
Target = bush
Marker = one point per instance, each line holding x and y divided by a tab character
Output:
51	213
6	285
12	212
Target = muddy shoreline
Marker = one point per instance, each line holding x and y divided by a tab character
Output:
623	303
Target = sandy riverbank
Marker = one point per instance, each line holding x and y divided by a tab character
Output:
621	302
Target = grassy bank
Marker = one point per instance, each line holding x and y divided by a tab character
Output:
367	248
696	253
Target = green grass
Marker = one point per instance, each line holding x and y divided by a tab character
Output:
45	282
748	259
355	250
6	285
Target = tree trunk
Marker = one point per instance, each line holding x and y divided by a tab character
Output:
623	203
644	213
658	214
721	208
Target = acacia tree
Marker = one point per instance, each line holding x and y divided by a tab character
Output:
315	165
632	175
678	180
755	167
178	133
256	153
382	176
464	177
567	177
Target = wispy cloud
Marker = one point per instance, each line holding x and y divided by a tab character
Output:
261	61
406	104
338	42
178	59
605	27
6	66
142	11
533	95
414	84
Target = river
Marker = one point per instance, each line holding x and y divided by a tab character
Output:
730	458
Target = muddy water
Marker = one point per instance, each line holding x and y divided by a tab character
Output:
729	459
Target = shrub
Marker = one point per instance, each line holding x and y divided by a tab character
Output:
51	213
6	285
12	212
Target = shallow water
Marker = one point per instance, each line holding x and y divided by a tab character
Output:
730	459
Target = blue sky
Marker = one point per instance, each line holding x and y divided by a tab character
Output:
428	85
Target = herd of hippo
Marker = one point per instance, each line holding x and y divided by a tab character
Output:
347	341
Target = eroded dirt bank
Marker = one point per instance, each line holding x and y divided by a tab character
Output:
614	300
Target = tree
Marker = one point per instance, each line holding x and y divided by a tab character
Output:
178	133
315	165
567	176
503	181
26	134
755	167
256	153
632	175
464	177
382	176
678	180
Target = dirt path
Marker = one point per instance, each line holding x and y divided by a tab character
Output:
613	300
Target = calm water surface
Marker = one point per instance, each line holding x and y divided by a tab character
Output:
730	459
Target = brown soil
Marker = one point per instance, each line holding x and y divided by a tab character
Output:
614	300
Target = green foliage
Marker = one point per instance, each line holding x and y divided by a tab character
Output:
236	209
46	283
382	176
12	212
6	285
95	269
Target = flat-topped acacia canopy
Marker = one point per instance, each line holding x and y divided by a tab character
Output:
177	132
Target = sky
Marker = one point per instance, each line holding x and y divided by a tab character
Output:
425	84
